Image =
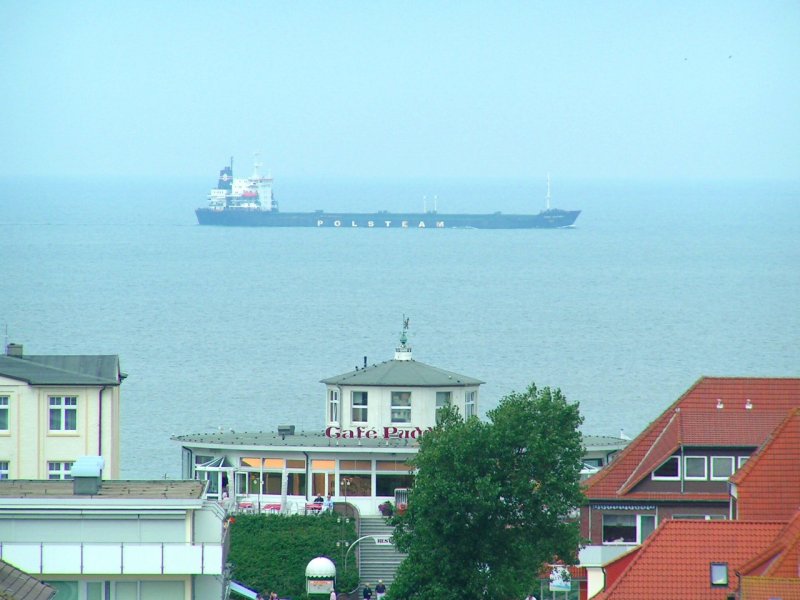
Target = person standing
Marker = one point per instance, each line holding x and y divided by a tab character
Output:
380	590
367	593
333	595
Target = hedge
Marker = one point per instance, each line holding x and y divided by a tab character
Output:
271	552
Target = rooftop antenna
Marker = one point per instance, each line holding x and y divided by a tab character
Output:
548	191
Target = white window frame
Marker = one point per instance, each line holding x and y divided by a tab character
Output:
359	409
638	525
4	469
333	406
716	459
59	469
655	477
470	404
686	476
443	399
4	415
62	406
397	409
740	461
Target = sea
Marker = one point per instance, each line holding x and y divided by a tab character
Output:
658	284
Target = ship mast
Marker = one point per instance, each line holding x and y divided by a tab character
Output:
548	191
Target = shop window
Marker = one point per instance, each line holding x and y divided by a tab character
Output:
392	465
670	469
385	485
355	465
352	484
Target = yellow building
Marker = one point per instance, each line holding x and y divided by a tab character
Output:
55	408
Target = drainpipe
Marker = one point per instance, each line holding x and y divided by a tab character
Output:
682	471
100	421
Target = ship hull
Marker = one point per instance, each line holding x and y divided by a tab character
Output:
548	219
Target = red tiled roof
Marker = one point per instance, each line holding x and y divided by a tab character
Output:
781	558
695	420
769	588
675	561
768	485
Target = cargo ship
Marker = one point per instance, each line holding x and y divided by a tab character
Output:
249	202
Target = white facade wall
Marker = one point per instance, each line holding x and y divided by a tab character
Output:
28	444
379	405
159	550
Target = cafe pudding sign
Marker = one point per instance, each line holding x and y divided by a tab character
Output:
373	433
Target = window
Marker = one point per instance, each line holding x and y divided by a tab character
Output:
671	469
719	574
469	404
627	529
442	400
3	469
351	484
333	406
401	407
63	413
695	467
391	475
360	407
721	467
3	413
59	470
742	460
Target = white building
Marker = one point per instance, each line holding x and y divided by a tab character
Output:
95	539
373	418
55	408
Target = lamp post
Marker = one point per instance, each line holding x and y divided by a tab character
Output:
342	520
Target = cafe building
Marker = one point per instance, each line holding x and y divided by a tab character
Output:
374	417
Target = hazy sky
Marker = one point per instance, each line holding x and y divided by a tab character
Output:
638	89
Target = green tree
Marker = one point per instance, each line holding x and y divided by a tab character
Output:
491	500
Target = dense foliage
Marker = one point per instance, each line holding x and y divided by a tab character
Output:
271	552
491	500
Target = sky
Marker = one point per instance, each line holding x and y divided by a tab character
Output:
636	90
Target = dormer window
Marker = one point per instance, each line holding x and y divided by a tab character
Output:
721	467
695	467
670	470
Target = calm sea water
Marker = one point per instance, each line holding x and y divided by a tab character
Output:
657	285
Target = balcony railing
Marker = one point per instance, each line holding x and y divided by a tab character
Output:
52	558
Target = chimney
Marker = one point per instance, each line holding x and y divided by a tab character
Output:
14	350
87	474
284	430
